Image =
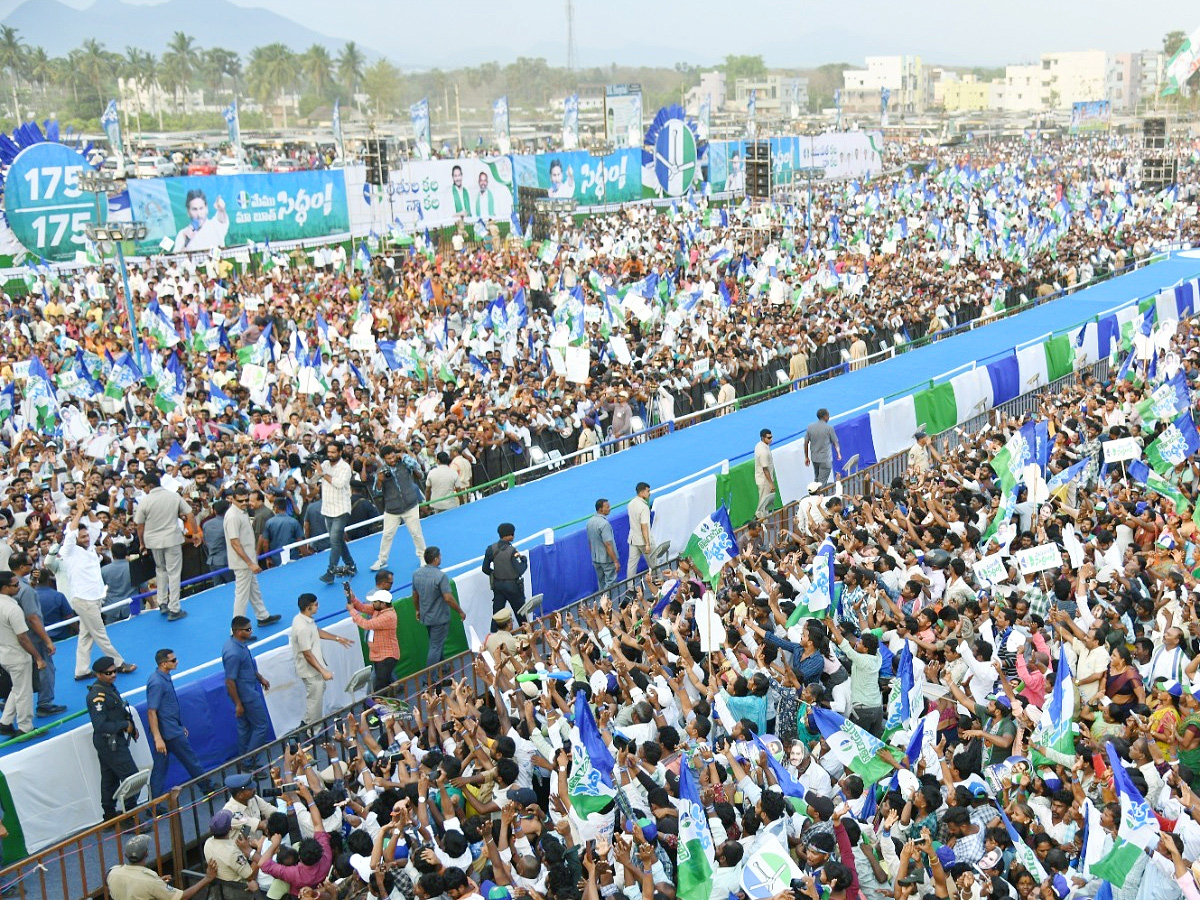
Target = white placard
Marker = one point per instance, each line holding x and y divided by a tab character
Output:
591	314
579	363
364	342
20	370
308	381
1122	449
991	570
620	349
253	377
636	306
558	360
1038	559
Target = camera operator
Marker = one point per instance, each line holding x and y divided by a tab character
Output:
333	476
398	481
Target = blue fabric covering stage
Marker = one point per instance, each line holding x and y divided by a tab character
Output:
562	570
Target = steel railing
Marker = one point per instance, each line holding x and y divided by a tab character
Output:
76	866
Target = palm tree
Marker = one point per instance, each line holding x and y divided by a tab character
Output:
219	63
12	59
140	67
179	64
38	68
317	66
272	70
96	67
350	67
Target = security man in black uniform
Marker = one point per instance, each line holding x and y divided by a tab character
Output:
504	565
113	728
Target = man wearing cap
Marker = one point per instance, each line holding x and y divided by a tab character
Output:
820	443
239	547
18	657
501	634
236	857
245	687
113	728
136	881
305	642
398	482
922	454
244	804
377	617
157	517
88	590
165	724
505	567
764	473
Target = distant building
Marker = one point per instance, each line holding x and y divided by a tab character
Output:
1024	88
903	76
970	94
712	86
777	95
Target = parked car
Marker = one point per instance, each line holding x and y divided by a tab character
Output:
156	167
119	167
286	165
202	165
231	165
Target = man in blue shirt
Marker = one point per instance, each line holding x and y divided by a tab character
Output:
53	602
281	529
165	724
245	687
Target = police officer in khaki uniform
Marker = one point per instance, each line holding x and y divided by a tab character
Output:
243	801
136	881
236	856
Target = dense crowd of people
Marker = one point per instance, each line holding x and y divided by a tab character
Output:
324	390
908	728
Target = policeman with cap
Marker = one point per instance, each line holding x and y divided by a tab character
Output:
136	881
505	565
245	805
113	728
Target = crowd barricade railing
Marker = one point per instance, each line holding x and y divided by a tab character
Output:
75	867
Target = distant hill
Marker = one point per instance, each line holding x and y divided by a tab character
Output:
215	23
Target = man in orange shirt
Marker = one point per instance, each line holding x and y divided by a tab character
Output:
383	649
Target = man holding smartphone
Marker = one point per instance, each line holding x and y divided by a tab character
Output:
335	506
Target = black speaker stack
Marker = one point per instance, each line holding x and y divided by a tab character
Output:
1159	170
376	159
758	169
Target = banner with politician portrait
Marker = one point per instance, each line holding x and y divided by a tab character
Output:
432	194
588	180
198	214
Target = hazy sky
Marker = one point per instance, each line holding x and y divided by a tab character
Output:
797	33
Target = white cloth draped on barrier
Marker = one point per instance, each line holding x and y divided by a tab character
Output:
677	513
892	427
285	699
1127	314
38	775
972	393
1031	368
1166	306
1088	352
791	471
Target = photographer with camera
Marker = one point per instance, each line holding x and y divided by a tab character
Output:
398	482
334	474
